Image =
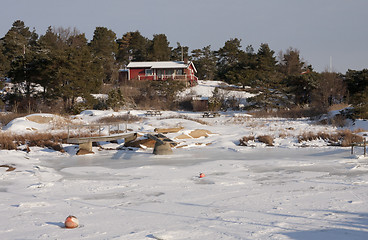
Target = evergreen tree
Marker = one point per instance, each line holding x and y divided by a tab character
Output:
80	71
115	99
50	59
4	64
179	53
299	81
330	89
19	48
18	40
104	48
244	73
357	83
290	62
205	62
132	47
268	80
228	57
266	66
160	50
302	86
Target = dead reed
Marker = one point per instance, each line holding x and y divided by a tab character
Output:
343	138
267	139
47	140
185	117
5	118
128	118
245	140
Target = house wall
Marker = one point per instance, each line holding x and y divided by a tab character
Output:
134	72
139	73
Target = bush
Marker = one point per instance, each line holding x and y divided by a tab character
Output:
5	118
53	141
293	113
267	139
244	141
342	138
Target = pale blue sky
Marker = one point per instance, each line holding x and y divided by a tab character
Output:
318	28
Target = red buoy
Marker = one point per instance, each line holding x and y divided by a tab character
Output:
71	222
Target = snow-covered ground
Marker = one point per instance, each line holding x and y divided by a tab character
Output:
282	192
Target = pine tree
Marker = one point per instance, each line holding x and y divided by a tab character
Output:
244	73
79	73
228	57
4	64
357	83
160	50
290	62
179	53
205	62
132	47
19	48
104	48
18	40
267	80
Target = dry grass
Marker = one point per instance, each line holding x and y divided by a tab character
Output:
187	118
342	138
244	141
267	139
5	118
336	107
240	119
289	113
121	118
48	140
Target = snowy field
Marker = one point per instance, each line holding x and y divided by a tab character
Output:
287	191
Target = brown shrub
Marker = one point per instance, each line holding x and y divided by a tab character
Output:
7	142
244	141
282	135
342	138
53	141
5	118
338	120
267	139
348	138
293	113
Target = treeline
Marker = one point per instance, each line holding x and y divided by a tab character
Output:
56	68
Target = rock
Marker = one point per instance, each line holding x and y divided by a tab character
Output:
168	130
199	133
84	152
148	143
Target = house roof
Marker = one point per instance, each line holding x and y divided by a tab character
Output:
161	65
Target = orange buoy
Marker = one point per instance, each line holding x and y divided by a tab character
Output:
201	175
71	222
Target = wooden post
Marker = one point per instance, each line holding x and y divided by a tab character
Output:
365	150
352	148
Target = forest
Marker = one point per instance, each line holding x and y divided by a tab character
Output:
51	71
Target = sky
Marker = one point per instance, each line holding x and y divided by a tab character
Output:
326	32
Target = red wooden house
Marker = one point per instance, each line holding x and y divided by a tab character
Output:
175	70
